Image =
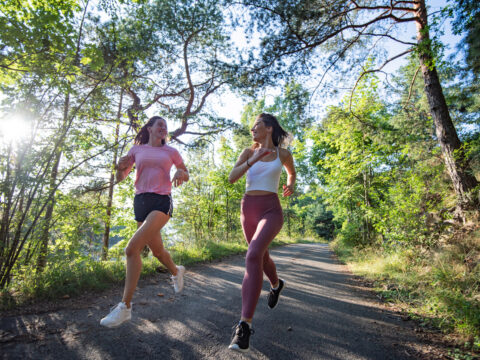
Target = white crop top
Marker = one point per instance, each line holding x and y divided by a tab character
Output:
265	175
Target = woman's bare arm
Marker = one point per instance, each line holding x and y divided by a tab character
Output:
287	161
181	175
124	166
240	166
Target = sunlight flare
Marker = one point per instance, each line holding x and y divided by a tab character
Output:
14	128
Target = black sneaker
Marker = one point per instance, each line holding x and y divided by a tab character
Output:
241	337
274	294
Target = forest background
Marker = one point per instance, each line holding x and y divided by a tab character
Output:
387	160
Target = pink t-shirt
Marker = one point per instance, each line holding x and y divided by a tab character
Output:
153	166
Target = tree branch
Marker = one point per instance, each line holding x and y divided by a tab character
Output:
413	81
372	71
390	37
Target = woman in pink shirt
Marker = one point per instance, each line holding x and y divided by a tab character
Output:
152	206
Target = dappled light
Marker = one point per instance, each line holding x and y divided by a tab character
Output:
315	319
142	138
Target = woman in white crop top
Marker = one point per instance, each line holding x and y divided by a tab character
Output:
261	216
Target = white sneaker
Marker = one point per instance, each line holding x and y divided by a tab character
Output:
117	316
178	279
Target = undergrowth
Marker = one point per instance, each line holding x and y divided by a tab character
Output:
440	286
63	279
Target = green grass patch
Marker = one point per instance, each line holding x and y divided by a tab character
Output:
283	240
439	287
67	279
209	251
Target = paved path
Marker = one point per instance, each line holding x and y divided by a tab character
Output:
322	314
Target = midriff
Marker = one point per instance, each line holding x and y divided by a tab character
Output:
258	192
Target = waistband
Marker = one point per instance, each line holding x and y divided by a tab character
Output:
263	198
266	196
152	194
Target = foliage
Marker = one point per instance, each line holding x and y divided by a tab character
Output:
467	23
298	36
441	285
354	161
208	206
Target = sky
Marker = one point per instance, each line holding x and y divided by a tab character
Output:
230	105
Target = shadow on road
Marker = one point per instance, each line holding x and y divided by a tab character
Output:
321	315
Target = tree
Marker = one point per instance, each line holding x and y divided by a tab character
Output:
380	166
354	159
41	81
467	23
171	57
296	29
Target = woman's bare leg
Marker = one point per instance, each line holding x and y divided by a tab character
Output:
158	250
152	225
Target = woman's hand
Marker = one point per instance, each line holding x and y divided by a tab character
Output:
124	163
259	154
179	178
288	190
123	167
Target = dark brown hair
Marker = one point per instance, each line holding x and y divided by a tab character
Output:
278	134
143	136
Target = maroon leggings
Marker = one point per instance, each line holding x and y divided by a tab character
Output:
262	220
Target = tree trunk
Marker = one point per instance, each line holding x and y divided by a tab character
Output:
289	233
227	215
455	160
42	256
106	233
6	207
8	261
366	234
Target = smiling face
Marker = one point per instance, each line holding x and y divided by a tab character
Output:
260	131
158	129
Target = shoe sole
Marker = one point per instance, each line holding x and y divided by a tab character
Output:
235	347
183	280
283	287
114	326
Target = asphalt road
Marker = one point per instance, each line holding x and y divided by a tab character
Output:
322	314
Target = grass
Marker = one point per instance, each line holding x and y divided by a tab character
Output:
440	287
67	279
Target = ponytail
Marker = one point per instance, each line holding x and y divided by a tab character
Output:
278	134
143	135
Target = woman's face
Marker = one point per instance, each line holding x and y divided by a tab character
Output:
158	129
260	131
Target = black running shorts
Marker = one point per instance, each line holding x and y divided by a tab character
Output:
145	203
